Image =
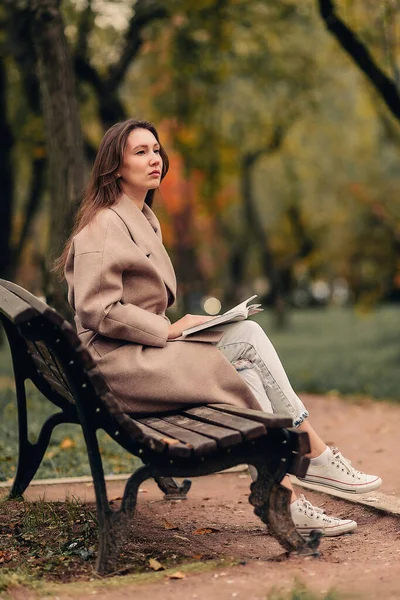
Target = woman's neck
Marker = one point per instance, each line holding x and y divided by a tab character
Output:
135	195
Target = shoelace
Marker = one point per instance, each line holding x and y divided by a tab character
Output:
309	509
344	462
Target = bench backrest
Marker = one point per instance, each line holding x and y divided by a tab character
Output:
46	349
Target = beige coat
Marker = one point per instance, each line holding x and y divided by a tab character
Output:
121	281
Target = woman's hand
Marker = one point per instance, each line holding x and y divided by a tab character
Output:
175	329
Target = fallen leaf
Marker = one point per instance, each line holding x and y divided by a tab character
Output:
177	575
168	525
170	441
155	565
205	530
67	443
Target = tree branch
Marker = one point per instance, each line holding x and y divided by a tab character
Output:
111	108
350	42
250	158
146	11
86	72
305	243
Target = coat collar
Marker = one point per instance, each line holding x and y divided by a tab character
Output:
145	230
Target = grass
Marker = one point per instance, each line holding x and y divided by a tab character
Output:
41	515
341	350
322	351
51	539
10	578
56	542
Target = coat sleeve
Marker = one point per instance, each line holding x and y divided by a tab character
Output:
98	289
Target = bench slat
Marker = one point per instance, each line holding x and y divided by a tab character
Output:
249	429
199	443
270	421
58	387
49	369
224	437
158	441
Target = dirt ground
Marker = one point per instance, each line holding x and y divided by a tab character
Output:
365	564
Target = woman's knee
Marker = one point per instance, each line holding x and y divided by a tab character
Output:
250	330
243	332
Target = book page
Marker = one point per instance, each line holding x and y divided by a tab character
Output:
237	313
242	307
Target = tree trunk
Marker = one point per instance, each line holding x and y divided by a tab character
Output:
34	197
66	164
6	178
257	233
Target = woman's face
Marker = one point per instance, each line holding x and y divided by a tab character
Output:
141	164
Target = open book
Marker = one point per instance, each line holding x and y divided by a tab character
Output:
237	313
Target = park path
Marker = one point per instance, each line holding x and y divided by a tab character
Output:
365	564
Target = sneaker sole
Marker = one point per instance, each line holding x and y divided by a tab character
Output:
367	487
329	531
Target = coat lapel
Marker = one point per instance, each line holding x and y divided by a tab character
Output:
145	231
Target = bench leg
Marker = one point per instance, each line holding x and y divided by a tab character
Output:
114	525
30	455
271	503
171	489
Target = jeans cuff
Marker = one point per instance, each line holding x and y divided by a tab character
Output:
301	418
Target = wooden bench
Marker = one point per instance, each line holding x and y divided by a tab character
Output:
187	443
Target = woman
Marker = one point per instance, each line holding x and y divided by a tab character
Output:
121	281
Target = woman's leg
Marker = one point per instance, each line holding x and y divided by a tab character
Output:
316	444
250	351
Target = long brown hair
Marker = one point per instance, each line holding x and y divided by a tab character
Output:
104	188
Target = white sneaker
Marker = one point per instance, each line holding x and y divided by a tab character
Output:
339	473
307	517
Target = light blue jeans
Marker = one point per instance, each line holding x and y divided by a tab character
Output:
251	352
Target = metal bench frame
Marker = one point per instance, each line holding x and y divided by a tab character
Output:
189	443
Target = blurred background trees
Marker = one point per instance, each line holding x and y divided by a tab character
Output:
281	124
